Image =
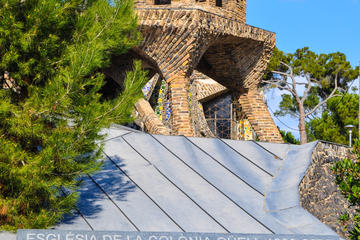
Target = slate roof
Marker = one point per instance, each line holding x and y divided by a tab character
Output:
187	184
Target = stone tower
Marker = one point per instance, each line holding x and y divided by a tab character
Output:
200	50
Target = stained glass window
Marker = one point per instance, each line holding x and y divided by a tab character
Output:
225	118
218	115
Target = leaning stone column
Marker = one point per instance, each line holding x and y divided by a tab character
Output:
180	109
253	106
148	117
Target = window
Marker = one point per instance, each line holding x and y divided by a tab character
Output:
162	2
219	3
218	115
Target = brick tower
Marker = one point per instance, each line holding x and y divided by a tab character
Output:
190	44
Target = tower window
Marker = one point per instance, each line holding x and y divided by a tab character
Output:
218	115
162	2
219	3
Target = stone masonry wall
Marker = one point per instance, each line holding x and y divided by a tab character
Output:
234	9
189	35
319	193
180	107
177	37
253	106
237	9
206	88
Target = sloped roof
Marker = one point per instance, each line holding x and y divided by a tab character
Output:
175	183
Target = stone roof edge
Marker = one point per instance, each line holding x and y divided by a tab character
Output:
334	143
282	200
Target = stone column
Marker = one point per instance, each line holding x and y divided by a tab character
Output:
180	108
148	117
253	106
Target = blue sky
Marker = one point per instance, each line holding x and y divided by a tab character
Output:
323	25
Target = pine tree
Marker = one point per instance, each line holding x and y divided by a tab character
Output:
51	106
330	125
320	77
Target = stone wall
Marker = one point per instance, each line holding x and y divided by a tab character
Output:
253	106
238	9
319	192
206	88
201	128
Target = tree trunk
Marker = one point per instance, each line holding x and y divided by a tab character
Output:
302	128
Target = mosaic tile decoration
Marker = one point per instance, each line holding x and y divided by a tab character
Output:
245	130
217	111
146	89
160	100
149	86
168	110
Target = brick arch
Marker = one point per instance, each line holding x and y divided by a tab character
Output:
148	62
125	62
233	62
147	118
238	64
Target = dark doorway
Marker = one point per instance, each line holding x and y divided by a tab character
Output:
219	3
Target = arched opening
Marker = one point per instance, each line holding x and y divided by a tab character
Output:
116	74
111	89
227	63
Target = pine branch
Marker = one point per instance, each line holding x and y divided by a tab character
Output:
332	94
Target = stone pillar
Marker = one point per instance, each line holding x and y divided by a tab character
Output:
253	106
180	109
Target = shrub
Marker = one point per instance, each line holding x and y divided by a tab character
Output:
51	107
347	174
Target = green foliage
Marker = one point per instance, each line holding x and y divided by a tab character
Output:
316	74
347	174
339	112
344	218
52	112
321	67
275	63
287	106
288	137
